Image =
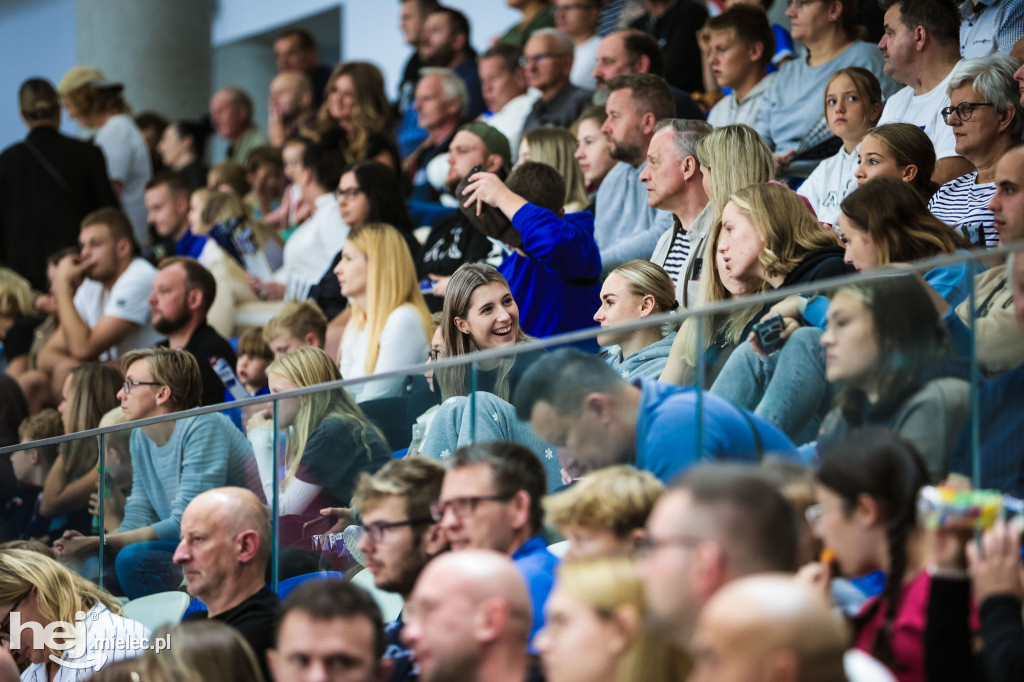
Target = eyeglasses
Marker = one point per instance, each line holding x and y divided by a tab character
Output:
376	530
528	59
128	385
434	354
814	513
5	626
463	506
347	194
645	546
964	110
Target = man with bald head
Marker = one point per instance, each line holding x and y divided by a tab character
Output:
469	619
768	627
224	550
290	107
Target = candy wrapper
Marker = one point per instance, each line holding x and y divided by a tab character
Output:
943	507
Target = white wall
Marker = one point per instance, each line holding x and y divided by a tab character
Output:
38	40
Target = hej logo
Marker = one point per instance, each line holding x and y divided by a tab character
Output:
72	638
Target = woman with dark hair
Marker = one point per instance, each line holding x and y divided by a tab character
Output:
867	487
887	350
885	221
181	148
368	192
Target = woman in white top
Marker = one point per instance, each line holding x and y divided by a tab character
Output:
390	326
853	104
37	591
97	104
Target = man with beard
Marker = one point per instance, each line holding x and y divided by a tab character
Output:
183	291
444	43
101	298
625	226
399	537
167	203
290	107
454	240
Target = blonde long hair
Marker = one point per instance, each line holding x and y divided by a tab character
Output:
556	147
93	393
223	206
16	296
390	283
61	592
309	366
736	156
609	585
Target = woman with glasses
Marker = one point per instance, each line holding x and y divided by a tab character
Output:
987	119
390	325
791	119
598	607
867	487
331	442
36	592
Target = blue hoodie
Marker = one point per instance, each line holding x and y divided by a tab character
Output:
557	285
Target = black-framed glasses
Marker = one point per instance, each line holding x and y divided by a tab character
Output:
376	531
964	110
528	59
5	625
128	385
347	194
434	354
464	506
647	545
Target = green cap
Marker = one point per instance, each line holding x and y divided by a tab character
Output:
496	142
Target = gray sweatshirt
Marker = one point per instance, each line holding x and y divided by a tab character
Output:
625	227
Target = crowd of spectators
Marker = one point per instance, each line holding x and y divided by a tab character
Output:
731	494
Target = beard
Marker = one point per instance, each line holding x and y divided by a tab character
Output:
168	325
443	56
623	151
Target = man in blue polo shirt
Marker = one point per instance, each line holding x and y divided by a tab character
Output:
597	419
490	499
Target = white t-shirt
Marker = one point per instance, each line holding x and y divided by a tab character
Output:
128	300
583	61
830	183
924	111
403	343
128	163
509	121
311	248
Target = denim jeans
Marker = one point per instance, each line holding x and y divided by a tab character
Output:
147	568
788	389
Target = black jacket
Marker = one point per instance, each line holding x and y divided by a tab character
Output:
41	210
821	263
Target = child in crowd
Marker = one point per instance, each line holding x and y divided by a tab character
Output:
853	104
253	357
265	173
899	150
293	211
229	176
298	324
31	467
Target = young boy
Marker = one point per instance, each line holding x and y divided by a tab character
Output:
741	45
30	468
300	323
265	172
253	357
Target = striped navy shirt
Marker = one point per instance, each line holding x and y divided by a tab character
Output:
678	255
109	638
962	204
